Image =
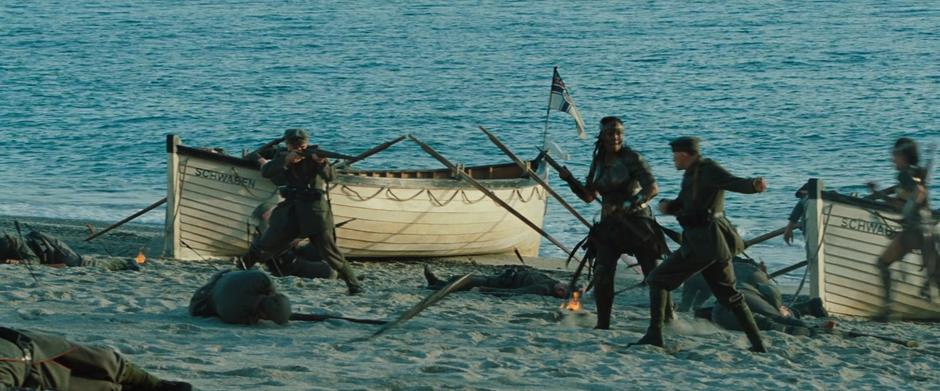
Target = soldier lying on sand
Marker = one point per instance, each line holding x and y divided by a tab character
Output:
301	260
241	297
36	361
762	297
516	280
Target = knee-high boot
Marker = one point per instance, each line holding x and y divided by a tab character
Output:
746	320
604	299
885	271
654	334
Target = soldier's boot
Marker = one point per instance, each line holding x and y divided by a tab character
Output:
813	307
352	282
135	379
430	277
654	334
746	320
604	299
885	271
605	304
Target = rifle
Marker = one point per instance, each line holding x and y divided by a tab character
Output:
322	317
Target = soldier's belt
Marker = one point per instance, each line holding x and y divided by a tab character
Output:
300	194
698	219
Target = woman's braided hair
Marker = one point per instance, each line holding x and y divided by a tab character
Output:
599	151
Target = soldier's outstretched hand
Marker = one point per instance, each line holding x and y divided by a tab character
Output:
760	185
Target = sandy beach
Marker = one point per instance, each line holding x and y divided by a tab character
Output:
467	341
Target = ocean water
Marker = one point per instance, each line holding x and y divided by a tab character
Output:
784	90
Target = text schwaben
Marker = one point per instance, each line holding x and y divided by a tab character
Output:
869	227
225	178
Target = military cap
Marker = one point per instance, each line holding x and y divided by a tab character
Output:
277	308
685	144
295	134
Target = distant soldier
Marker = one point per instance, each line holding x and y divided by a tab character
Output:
708	241
625	183
36	361
302	177
911	201
514	280
241	297
796	219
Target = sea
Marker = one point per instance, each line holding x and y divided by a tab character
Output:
786	90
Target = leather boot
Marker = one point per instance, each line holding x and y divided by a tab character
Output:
604	299
352	282
885	314
749	326
654	334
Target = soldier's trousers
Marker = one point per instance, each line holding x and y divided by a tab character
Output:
718	273
95	368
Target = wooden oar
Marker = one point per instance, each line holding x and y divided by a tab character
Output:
765	237
788	269
487	192
370	152
502	147
320	318
128	218
421	306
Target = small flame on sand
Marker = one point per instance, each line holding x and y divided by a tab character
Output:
574	304
140	257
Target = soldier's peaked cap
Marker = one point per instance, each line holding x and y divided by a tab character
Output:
685	144
296	134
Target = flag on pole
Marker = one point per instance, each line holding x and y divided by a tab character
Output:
560	100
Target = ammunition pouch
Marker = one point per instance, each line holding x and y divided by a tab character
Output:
291	193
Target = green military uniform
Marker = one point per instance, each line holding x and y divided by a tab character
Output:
305	212
762	296
240	297
624	227
765	302
695	291
40	361
512	281
708	242
301	260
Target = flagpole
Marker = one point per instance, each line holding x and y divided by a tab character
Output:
548	111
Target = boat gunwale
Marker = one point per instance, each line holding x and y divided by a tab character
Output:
351	177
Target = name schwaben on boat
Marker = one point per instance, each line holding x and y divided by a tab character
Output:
869	227
225	178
